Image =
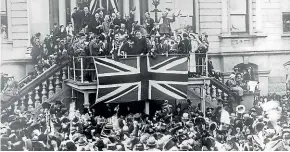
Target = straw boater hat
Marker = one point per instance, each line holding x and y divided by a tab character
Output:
151	142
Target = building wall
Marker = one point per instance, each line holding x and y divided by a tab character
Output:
267	46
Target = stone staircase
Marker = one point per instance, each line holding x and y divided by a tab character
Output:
39	90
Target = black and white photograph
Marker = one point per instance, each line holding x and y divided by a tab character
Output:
145	75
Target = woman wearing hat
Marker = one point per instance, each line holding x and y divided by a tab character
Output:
233	85
151	144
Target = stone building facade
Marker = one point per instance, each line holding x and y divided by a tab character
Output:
240	32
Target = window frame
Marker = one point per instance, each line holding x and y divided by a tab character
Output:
285	13
247	18
8	28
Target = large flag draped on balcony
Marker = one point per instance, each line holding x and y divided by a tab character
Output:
142	78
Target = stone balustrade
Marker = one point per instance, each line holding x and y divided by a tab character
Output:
42	92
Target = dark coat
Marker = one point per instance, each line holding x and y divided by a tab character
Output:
184	46
93	26
86	19
149	24
140	46
118	21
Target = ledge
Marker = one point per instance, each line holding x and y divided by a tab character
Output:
285	35
228	36
254	52
15	61
261	72
6	42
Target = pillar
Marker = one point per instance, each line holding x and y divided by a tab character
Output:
126	7
147	107
225	17
196	15
137	11
258	17
73	4
86	100
62	12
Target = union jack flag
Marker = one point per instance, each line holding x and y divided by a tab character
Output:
142	78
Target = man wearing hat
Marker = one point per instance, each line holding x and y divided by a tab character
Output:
282	144
151	144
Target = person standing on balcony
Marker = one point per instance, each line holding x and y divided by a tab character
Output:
148	22
164	24
86	16
201	53
76	19
55	32
96	25
140	44
106	25
118	20
128	21
185	45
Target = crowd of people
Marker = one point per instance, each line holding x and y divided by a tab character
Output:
184	128
264	127
103	34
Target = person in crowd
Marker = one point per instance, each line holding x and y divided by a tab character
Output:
36	51
95	25
148	22
106	25
87	17
233	85
140	45
210	67
76	20
164	24
55	32
62	31
249	75
185	45
123	31
70	29
118	20
128	21
34	37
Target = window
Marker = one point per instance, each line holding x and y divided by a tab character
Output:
4	20
286	22
239	16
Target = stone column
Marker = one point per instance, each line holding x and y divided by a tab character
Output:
86	100
147	107
62	12
137	12
126	7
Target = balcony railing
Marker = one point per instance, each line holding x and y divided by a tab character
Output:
82	68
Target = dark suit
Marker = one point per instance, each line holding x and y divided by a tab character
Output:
86	19
93	26
149	24
140	46
118	21
184	46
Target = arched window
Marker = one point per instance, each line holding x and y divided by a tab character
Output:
248	68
